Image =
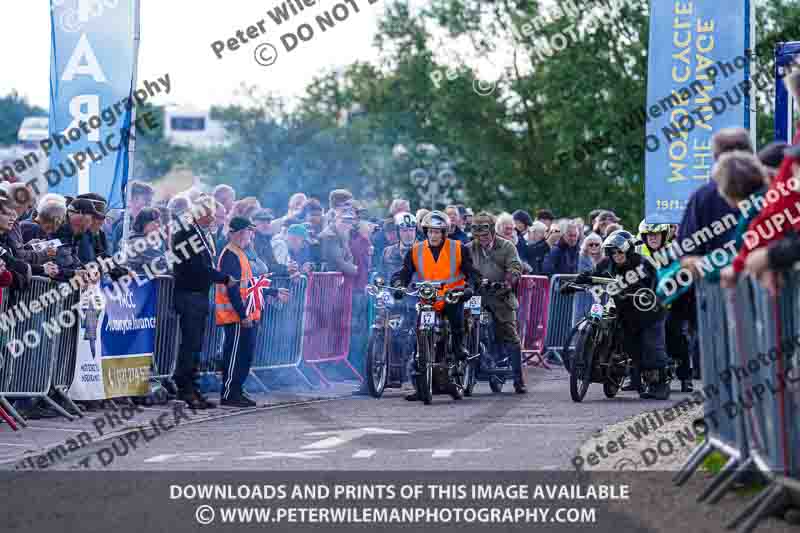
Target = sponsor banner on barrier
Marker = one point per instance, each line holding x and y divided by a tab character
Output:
92	66
129	340
697	84
88	381
116	342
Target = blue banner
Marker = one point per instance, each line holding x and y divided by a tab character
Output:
92	76
696	86
128	340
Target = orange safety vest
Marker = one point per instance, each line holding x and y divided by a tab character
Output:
446	270
224	311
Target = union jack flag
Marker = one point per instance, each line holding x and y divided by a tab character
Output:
255	298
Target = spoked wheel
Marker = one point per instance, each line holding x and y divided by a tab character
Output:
377	364
471	370
456	388
611	388
425	371
581	375
496	384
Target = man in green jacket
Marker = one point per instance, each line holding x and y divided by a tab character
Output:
497	260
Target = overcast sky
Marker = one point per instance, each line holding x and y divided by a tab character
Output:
177	37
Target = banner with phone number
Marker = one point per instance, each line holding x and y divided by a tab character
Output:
116	342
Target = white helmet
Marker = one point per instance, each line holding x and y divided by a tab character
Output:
405	220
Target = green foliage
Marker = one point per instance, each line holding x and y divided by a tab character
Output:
14	108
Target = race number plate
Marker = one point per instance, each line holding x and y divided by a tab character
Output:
596	311
474	304
428	318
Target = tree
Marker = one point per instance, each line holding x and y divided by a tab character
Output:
13	109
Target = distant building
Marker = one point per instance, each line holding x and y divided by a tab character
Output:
32	131
188	126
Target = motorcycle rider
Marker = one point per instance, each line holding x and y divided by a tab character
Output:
497	260
655	237
406	226
438	258
393	255
642	316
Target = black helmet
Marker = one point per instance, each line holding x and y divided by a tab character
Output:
619	240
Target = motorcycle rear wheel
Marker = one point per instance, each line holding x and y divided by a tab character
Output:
377	365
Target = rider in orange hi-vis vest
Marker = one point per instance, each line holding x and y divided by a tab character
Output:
448	261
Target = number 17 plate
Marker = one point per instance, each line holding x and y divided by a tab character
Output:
428	318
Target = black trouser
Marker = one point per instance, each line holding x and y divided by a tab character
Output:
193	310
677	335
646	346
237	356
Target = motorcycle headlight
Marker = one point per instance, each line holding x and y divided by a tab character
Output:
427	292
453	297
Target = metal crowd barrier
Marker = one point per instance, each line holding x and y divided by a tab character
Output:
47	360
749	350
327	316
279	343
533	293
167	330
560	315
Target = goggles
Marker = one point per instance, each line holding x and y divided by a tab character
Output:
481	228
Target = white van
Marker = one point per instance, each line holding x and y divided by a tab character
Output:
32	131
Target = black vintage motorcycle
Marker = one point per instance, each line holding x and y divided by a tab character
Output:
594	350
485	362
436	368
390	333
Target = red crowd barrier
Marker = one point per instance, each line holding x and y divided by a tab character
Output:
327	321
533	293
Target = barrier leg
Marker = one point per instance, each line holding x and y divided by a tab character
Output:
321	376
305	378
58	408
722	489
536	359
72	405
775	497
721	479
351	367
10	421
13	412
261	383
696	457
750	507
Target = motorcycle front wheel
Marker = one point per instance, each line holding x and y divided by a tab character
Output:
425	368
580	376
377	364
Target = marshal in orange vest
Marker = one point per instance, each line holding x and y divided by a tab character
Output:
224	311
446	270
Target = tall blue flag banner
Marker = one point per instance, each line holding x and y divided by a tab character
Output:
698	81
92	77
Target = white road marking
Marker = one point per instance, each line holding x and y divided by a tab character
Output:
15	445
184	457
293	455
445	453
363	454
344	436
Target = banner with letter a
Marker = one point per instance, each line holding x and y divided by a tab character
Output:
92	70
698	76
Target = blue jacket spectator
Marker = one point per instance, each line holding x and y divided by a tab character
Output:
563	258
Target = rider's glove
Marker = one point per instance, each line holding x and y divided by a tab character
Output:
468	293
